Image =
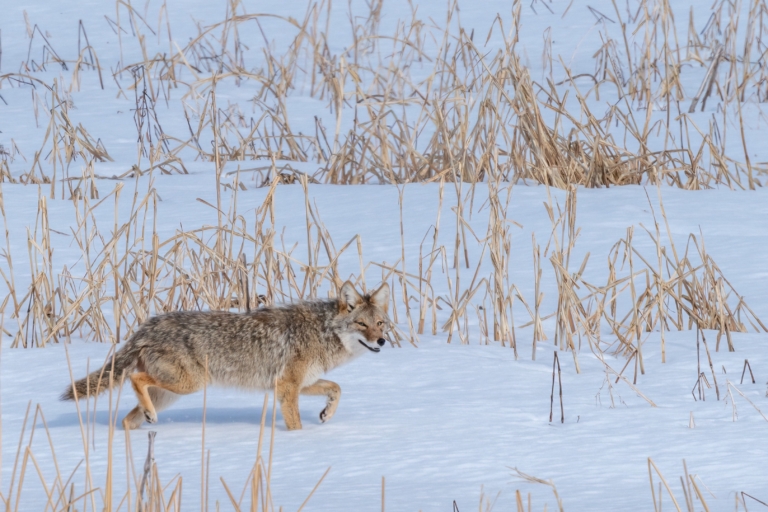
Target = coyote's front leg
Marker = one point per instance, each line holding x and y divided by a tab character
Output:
287	392
329	389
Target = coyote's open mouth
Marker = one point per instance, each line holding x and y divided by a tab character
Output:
372	349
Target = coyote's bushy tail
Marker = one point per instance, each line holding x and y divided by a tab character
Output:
98	381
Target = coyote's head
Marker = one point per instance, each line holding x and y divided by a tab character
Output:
363	318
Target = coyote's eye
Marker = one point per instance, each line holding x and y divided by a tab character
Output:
379	323
361	324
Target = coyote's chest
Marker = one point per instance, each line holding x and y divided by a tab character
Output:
352	349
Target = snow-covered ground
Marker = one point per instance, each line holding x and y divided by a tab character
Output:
440	422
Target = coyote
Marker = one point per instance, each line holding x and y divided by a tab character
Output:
287	347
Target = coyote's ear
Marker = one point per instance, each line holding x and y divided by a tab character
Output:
348	297
380	297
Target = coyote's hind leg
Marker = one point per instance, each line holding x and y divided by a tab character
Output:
140	382
156	393
160	398
329	389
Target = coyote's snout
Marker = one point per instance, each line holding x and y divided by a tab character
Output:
287	348
380	342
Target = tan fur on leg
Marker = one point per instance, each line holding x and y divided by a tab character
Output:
153	396
140	382
287	389
329	389
288	396
183	385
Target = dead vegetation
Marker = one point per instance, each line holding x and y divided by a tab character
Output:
430	102
135	273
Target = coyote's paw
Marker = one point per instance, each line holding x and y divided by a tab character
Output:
325	415
150	416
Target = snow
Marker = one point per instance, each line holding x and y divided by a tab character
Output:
440	422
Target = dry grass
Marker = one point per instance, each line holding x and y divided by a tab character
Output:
429	102
693	489
133	271
669	292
